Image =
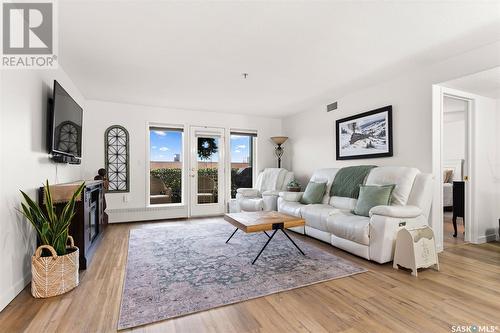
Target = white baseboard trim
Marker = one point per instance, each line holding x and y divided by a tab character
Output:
487	238
14	290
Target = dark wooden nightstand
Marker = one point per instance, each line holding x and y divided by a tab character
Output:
458	203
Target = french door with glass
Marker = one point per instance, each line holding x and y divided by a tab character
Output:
206	171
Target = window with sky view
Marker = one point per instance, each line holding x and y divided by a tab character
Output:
165	151
241	161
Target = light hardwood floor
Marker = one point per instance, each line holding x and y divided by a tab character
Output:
448	239
466	291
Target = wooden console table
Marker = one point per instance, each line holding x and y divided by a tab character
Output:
88	224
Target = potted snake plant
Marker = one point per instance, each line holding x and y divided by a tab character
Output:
55	270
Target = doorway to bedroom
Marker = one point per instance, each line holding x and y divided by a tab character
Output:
469	105
454	162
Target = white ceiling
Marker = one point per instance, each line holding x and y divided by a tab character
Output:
485	83
191	54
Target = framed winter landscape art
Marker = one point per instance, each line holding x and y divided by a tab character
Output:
365	135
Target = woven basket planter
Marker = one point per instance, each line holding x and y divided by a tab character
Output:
54	275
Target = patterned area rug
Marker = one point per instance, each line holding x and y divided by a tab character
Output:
181	269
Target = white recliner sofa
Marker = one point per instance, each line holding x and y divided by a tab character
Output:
370	237
264	197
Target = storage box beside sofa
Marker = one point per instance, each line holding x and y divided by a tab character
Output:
369	237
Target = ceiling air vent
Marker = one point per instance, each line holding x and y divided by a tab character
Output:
331	107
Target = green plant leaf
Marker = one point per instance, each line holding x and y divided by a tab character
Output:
49	205
32	212
45	229
30	217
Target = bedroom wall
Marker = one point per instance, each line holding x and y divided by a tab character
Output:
132	206
312	134
453	135
25	165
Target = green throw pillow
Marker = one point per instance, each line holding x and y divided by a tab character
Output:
314	193
371	196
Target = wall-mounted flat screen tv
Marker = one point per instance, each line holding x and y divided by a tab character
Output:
66	124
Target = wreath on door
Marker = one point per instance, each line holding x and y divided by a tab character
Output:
206	148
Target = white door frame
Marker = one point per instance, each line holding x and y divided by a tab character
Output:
214	208
438	94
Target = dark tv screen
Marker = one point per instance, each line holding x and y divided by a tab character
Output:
67	117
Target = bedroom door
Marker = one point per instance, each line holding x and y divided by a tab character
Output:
206	173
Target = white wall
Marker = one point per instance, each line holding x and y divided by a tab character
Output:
496	178
453	135
312	135
100	115
486	208
25	165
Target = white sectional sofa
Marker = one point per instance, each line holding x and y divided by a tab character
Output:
370	237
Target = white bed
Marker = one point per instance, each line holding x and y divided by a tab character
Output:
447	195
457	167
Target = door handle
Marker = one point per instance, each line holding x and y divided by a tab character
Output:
466	178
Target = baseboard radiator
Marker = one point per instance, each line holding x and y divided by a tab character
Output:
145	214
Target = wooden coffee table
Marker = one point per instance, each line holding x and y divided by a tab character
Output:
262	222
